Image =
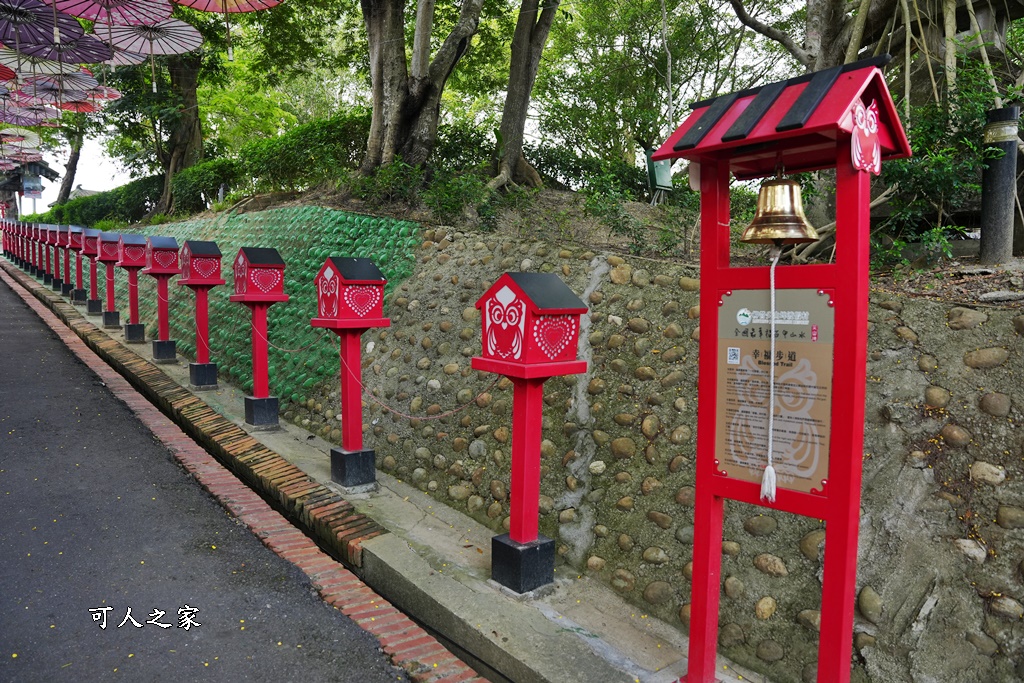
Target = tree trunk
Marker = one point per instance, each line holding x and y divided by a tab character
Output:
75	139
185	145
406	108
531	34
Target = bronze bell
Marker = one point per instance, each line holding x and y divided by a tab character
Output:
779	218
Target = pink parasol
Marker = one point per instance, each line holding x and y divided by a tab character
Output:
226	7
117	12
167	37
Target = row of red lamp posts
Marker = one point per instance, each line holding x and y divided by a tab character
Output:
530	332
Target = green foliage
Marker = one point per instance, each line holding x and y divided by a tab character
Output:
197	187
604	200
449	193
943	177
394	182
122	205
308	154
461	146
565	167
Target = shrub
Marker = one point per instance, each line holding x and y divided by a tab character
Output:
197	187
565	168
125	204
394	182
307	154
450	193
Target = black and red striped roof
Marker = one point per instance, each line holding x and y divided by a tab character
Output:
793	124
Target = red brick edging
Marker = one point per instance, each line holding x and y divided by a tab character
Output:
408	645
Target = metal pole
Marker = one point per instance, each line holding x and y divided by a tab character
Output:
999	186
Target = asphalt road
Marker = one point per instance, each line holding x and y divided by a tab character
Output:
95	514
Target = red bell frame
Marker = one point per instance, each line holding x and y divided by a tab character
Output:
804	124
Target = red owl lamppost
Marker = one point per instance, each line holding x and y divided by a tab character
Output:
131	253
200	270
530	331
76	242
162	264
259	283
350	300
90	248
783	355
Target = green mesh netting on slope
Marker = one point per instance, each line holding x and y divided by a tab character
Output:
305	237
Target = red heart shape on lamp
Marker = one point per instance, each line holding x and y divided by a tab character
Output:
265	279
362	299
204	267
553	334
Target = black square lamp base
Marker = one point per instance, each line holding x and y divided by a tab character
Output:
135	334
522	567
47	279
353	468
202	376
78	297
164	351
56	284
261	413
66	288
94	306
111	320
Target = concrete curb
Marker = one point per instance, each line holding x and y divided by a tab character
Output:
325	514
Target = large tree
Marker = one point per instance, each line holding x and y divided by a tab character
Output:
528	41
832	30
407	97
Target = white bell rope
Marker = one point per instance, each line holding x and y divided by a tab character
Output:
768	478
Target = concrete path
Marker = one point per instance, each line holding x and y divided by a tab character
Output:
96	519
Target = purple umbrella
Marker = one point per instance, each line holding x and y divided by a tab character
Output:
124	58
34	23
75	80
81	50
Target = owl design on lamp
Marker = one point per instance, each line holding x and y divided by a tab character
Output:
506	324
867	151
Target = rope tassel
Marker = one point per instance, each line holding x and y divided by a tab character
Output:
768	484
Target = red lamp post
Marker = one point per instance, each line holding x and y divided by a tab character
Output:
531	329
48	235
107	254
200	271
76	242
64	242
37	252
259	283
162	264
350	300
841	118
90	248
131	252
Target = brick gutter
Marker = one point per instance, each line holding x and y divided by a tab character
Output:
174	415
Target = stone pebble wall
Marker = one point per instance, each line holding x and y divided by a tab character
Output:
943	506
941	573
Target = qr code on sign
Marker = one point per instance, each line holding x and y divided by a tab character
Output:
732	355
